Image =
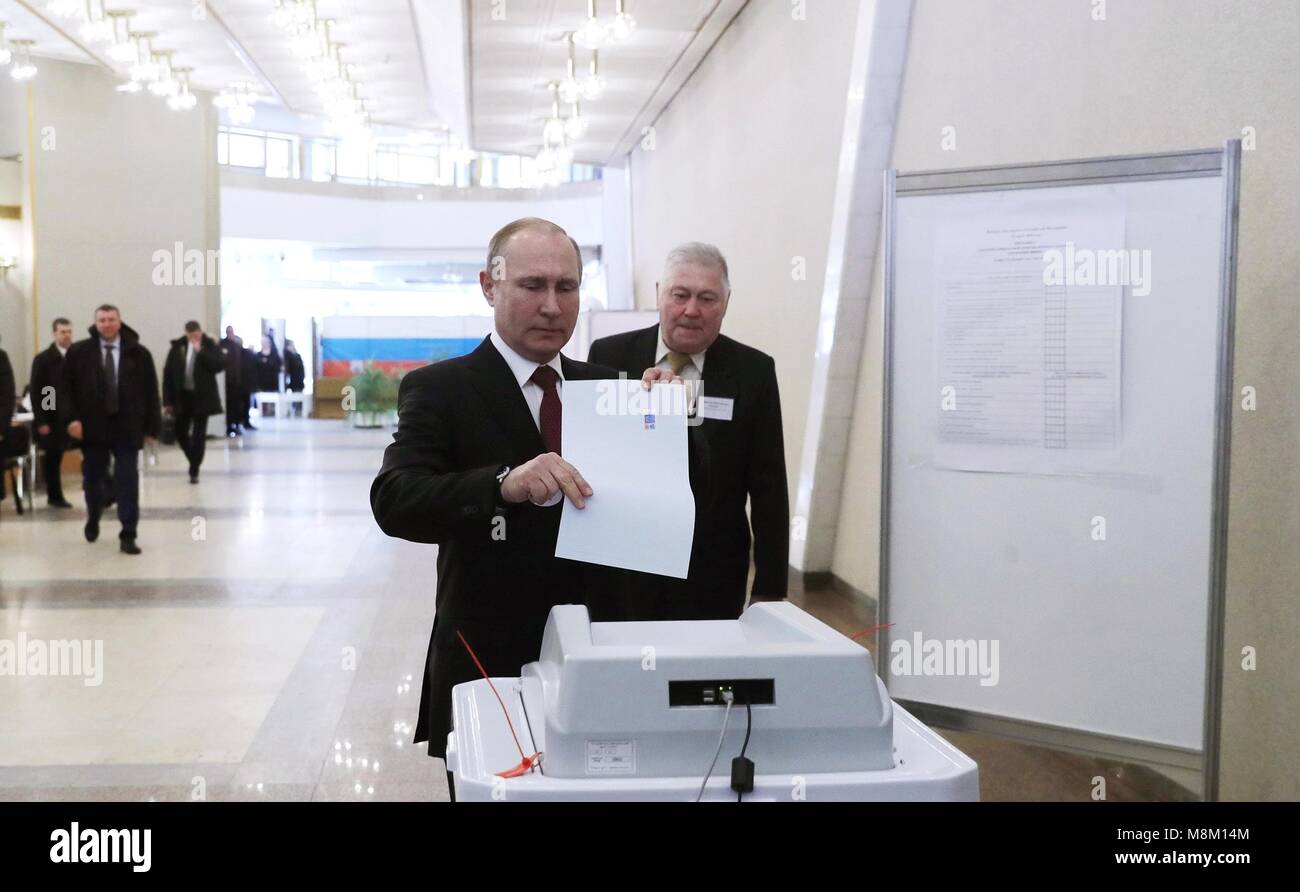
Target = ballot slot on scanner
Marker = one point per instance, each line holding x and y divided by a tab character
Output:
634	711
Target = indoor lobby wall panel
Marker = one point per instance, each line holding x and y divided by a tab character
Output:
118	178
1030	80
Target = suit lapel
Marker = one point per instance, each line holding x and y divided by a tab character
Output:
492	378
719	375
647	344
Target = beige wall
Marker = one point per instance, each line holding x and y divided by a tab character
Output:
745	157
117	178
1029	80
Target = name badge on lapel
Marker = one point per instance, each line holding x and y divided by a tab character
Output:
718	408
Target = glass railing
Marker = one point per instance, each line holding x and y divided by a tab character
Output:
384	163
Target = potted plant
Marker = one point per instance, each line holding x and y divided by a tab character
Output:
374	397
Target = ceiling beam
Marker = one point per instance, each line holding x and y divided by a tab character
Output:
237	47
91	55
715	24
442	38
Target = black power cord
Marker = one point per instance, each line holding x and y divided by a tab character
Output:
742	769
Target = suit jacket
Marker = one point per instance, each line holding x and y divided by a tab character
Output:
81	395
746	458
459	422
47	370
295	372
232	352
268	372
208	363
8	392
248	370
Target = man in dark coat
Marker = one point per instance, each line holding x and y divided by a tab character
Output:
109	401
47	371
190	391
295	372
268	366
477	452
14	440
8	400
248	372
232	353
739	416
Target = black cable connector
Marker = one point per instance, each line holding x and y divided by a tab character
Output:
742	776
742	769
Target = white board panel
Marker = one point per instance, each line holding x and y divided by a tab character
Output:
1100	636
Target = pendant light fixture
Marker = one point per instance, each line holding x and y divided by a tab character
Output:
592	34
623	25
22	68
123	48
144	70
593	85
571	87
97	28
163	85
553	130
182	99
575	125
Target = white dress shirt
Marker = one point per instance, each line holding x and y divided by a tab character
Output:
523	371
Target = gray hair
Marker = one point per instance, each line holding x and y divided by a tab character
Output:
700	254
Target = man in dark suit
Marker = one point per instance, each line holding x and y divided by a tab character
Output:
190	391
109	400
47	370
8	399
739	410
295	370
475	468
248	373
232	353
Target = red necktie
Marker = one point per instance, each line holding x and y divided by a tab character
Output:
546	378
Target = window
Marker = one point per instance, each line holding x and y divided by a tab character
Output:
508	171
279	157
419	170
388	167
321	160
247	150
353	161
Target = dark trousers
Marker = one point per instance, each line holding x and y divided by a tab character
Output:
126	478
52	468
234	404
191	431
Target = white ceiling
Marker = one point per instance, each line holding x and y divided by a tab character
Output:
420	64
513	60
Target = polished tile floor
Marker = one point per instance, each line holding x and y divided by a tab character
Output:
269	642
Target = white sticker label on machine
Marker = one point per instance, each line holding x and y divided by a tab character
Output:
611	757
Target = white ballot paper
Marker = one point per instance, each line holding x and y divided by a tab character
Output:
630	445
